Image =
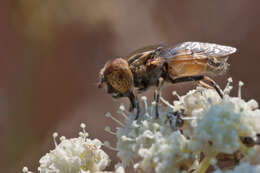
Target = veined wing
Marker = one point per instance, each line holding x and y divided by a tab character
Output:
142	52
146	48
197	50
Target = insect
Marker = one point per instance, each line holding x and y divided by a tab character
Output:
155	65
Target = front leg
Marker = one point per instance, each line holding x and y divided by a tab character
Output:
134	103
199	78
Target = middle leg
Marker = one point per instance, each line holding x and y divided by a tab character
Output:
134	103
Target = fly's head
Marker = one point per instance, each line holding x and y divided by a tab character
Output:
117	76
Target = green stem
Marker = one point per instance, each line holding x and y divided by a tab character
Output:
244	149
204	165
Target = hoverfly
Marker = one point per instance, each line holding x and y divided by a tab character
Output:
154	65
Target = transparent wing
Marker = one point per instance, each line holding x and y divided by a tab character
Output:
200	50
144	51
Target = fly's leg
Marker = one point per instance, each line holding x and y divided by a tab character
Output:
214	84
134	103
157	94
199	78
205	85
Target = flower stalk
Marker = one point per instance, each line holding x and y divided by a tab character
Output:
204	165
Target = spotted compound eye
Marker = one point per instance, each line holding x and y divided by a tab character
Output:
118	74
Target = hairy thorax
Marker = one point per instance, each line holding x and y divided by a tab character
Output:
147	73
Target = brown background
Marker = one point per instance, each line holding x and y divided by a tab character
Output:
52	50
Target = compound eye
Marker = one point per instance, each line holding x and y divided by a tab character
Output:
119	75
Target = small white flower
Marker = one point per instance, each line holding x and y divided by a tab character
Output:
224	122
167	154
75	155
119	168
196	100
26	170
153	141
253	156
222	126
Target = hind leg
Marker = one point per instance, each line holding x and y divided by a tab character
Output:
199	78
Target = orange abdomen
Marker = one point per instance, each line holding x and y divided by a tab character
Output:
180	68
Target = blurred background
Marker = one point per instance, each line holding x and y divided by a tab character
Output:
51	53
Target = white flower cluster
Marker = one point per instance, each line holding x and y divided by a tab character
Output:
190	134
76	155
151	139
197	131
219	123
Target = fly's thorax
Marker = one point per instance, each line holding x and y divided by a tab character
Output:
148	73
117	74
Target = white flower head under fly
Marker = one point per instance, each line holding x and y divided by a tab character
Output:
198	122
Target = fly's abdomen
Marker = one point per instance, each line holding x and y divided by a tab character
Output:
186	68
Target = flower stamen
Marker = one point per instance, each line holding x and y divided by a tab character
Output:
108	129
122	111
26	170
55	135
108	114
145	103
153	108
166	103
62	138
174	93
107	144
240	84
228	87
